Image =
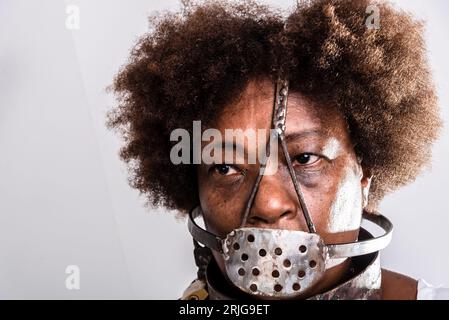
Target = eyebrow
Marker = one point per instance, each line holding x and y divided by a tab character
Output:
288	138
302	134
225	145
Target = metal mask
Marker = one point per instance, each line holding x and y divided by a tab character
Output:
278	263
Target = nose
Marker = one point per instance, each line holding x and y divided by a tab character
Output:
275	205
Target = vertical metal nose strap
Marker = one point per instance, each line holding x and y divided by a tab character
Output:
278	123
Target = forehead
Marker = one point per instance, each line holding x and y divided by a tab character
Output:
254	108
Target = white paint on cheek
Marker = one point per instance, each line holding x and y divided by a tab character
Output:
346	210
332	148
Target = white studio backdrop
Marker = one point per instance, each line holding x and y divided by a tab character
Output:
64	197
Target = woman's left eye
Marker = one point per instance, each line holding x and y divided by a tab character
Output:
224	169
305	159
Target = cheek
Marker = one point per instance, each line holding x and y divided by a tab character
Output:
336	202
221	210
345	213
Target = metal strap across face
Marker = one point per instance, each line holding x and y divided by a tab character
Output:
281	263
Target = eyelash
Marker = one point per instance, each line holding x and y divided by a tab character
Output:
215	168
312	155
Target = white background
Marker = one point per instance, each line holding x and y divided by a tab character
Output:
64	197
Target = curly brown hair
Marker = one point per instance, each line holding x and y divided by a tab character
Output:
196	62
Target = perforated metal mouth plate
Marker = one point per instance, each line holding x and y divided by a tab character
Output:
272	262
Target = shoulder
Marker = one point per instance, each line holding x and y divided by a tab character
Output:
396	286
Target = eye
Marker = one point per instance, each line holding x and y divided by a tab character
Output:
224	169
305	159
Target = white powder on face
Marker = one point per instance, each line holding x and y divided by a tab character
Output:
332	148
346	211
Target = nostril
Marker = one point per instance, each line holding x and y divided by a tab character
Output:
256	220
267	220
285	214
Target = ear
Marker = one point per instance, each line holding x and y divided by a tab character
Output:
365	182
366	185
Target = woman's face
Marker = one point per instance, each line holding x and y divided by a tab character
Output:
332	180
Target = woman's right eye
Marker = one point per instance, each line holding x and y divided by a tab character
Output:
224	169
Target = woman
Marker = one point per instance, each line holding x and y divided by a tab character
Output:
349	112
